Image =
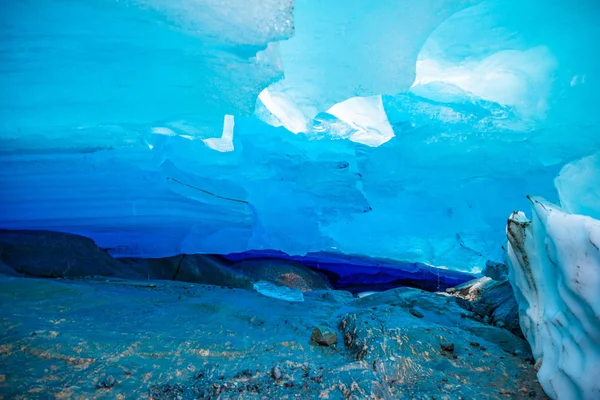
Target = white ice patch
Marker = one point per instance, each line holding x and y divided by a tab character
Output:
510	77
367	117
223	144
554	267
285	110
278	292
365	294
161	130
359	119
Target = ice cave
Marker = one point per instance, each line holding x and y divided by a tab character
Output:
300	199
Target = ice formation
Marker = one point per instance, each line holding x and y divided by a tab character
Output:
554	266
225	142
578	186
278	292
405	129
342	49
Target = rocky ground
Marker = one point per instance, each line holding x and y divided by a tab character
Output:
133	338
170	340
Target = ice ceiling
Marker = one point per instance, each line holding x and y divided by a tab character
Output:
407	129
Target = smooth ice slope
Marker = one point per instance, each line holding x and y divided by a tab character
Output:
397	129
554	264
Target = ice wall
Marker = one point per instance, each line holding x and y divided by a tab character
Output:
554	267
398	129
73	73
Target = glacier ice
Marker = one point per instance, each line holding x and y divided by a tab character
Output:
400	129
508	77
278	292
532	56
343	49
225	142
578	186
279	110
405	130
554	266
359	119
99	63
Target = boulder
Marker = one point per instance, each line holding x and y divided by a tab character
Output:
283	273
495	270
156	268
324	336
211	270
194	268
57	255
383	333
65	255
492	300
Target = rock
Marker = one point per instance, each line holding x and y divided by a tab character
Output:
415	311
106	383
383	333
447	347
494	301
359	274
538	364
283	273
440	307
211	270
58	255
276	373
336	296
166	392
156	268
324	336
194	268
268	360
495	270
474	289
64	255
